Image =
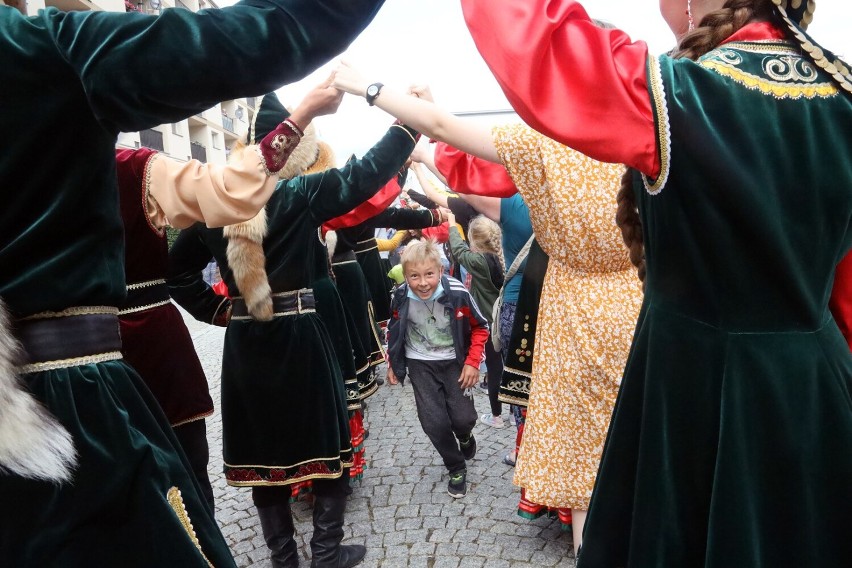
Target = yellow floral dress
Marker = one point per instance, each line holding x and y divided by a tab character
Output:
589	305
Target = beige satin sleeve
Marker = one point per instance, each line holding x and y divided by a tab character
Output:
179	194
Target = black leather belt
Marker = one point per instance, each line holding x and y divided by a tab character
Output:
364	246
145	295
283	304
70	337
341	257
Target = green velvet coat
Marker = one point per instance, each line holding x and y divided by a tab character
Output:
284	405
70	83
731	441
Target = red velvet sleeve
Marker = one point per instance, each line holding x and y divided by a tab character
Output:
440	233
577	83
367	210
840	303
472	175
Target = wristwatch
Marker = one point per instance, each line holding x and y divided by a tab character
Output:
373	92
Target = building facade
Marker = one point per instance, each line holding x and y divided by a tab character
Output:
206	136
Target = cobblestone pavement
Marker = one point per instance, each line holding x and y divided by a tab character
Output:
400	510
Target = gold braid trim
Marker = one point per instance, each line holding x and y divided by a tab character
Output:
146	284
278	483
75	311
65	363
146	194
661	110
176	501
511	400
143	308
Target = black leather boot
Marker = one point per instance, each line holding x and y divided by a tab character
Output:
278	530
328	532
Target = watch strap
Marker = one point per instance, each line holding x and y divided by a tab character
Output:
371	98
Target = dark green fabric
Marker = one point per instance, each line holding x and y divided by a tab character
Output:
284	406
76	79
115	512
355	296
269	115
732	431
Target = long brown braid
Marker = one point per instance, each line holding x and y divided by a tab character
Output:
714	28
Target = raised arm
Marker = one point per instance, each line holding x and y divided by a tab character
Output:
182	193
473	262
424	115
373	206
426	156
488	206
471	175
429	189
138	71
337	191
420	199
404	218
596	98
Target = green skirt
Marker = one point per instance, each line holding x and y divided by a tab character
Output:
726	448
356	296
351	358
131	502
284	411
378	283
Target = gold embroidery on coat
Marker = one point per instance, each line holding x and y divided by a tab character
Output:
176	502
776	89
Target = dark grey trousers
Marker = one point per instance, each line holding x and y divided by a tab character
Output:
445	413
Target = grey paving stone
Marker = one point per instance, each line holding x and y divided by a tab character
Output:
400	509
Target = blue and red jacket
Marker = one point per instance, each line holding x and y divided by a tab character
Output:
469	327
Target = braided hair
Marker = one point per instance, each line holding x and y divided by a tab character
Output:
714	28
486	237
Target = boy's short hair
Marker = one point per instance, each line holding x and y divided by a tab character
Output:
420	252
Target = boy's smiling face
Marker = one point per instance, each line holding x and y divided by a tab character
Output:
423	278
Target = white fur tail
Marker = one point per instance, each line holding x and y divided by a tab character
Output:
33	443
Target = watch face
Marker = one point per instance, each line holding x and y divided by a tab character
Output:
372	90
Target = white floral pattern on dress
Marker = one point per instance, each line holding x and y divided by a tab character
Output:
589	305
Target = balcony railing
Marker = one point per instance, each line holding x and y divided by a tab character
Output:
227	122
198	151
152	139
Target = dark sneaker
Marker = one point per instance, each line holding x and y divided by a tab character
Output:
457	487
468	447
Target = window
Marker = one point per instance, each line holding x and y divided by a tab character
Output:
214	137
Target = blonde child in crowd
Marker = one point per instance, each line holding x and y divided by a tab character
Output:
436	336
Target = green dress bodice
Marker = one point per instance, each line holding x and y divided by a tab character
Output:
734	417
